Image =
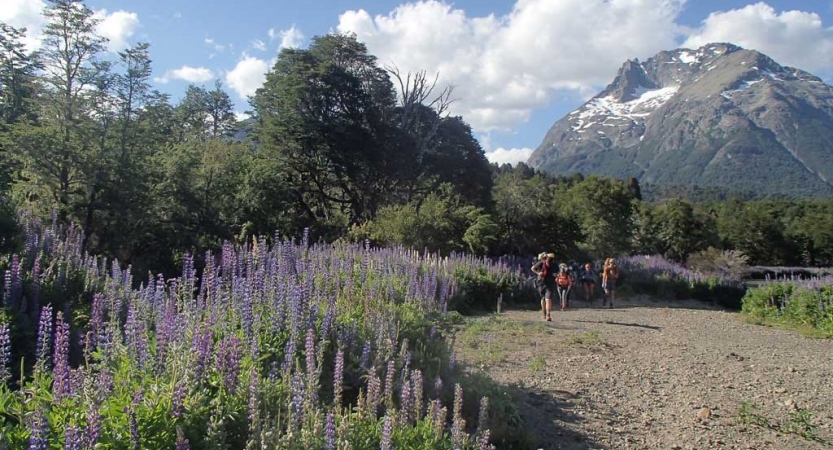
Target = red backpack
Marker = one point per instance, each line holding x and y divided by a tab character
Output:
545	270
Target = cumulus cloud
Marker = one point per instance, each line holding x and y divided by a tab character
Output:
247	76
25	14
511	156
794	38
290	38
504	67
117	27
186	73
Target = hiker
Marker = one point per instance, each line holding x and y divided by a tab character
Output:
609	275
564	282
545	269
588	280
574	270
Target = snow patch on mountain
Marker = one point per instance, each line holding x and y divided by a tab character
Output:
646	100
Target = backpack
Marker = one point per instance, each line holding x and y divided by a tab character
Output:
563	279
545	270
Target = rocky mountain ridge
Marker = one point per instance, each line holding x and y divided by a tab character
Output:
716	116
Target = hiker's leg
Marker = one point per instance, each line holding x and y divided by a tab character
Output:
543	308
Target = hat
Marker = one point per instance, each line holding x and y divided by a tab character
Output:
550	255
542	255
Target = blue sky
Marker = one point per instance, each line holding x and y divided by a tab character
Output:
518	66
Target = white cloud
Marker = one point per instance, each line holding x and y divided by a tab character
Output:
257	44
186	73
794	38
504	67
118	27
25	14
247	76
213	44
241	116
511	156
290	38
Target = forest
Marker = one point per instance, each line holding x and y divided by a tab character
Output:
336	144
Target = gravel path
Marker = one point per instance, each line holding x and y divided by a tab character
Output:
648	376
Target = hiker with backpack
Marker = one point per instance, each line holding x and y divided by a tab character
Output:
564	282
545	270
588	280
610	274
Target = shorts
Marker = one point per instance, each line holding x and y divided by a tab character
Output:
588	284
609	286
546	290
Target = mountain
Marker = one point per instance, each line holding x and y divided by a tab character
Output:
719	116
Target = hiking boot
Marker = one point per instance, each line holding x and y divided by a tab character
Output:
549	319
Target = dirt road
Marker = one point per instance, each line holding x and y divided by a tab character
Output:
650	375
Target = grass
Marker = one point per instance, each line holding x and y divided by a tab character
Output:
538	364
488	340
799	422
802	329
591	338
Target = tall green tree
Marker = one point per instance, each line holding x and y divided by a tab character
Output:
17	90
681	231
324	113
56	153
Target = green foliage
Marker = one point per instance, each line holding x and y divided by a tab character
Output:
792	305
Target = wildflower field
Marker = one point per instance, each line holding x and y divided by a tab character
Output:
796	302
275	344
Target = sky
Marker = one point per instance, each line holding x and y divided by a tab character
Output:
516	66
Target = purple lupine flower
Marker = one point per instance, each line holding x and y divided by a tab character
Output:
16	291
387	434
330	432
338	378
405	403
134	336
483	442
437	415
5	354
417	393
72	438
44	344
181	442
373	392
93	428
60	359
458	423
228	360
253	396
296	404
38	432
289	357
388	387
365	355
133	426
35	306
178	399
483	417
310	354
201	345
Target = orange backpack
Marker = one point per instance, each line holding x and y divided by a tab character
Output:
563	279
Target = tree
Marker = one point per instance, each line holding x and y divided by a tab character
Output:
220	111
680	231
56	154
17	90
603	208
324	113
